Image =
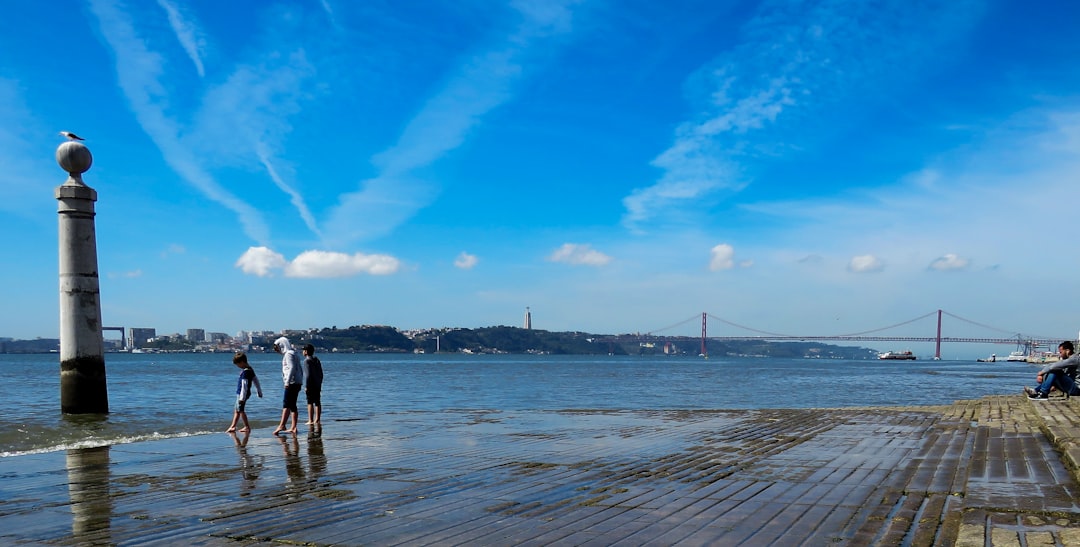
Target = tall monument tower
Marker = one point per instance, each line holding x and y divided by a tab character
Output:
82	354
528	319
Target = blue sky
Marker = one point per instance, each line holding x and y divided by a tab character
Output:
802	167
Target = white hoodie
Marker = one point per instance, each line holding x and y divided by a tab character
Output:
292	372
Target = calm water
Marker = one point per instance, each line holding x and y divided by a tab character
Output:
170	395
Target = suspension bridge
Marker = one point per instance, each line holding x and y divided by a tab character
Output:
1028	342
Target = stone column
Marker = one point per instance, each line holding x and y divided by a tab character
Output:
82	353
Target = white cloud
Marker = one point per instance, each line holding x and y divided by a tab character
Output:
723	257
579	255
949	262
865	264
260	261
191	39
465	261
330	264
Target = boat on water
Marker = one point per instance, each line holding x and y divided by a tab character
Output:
1043	357
991	359
1016	356
897	355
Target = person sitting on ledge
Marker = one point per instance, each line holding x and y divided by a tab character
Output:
1058	374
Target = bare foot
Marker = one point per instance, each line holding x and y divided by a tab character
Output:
293	431
308	423
278	430
244	430
232	429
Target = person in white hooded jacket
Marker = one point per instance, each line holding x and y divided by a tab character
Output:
292	374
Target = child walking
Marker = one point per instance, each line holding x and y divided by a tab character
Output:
243	391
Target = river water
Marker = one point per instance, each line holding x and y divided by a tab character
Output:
171	395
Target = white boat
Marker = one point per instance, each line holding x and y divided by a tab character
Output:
1017	356
897	355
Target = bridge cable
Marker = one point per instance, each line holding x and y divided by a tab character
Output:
679	324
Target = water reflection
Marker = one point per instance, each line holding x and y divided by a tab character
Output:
88	488
294	468
250	466
316	456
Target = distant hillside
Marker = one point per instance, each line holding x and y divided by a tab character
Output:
502	339
38	345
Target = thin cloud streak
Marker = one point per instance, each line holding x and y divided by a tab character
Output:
794	59
482	84
139	71
294	196
187	33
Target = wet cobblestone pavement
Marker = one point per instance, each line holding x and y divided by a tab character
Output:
988	472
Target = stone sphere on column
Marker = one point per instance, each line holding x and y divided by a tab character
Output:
74	157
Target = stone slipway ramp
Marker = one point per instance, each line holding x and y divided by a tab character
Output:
975	473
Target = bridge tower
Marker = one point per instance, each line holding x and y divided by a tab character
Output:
704	334
937	347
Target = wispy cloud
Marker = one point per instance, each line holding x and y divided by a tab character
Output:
263	262
20	176
294	196
465	261
125	275
865	264
579	255
140	73
190	37
793	61
484	82
949	262
173	249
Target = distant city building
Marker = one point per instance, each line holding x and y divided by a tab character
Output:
196	335
137	338
218	337
528	319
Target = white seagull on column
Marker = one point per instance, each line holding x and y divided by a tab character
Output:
72	136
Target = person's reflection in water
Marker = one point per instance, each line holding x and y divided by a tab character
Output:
316	456
294	468
88	488
249	465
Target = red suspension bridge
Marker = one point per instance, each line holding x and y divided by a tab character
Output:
1028	342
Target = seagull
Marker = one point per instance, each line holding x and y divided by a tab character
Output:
72	136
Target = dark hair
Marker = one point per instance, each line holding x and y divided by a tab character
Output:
1067	345
239	357
310	349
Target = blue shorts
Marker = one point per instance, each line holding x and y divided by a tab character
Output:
314	396
240	404
288	401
